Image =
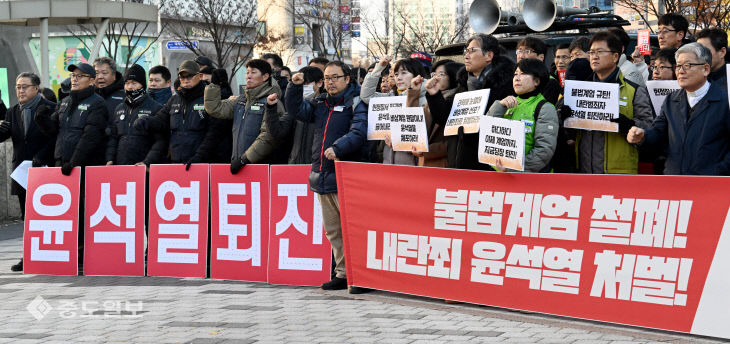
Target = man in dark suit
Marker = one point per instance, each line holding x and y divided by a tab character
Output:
29	143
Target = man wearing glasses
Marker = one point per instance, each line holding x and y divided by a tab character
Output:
605	152
193	134
340	128
671	33
29	143
531	47
80	121
693	127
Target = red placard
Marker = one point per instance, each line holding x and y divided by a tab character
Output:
561	77
178	221
299	252
643	42
50	241
239	236
637	250
114	220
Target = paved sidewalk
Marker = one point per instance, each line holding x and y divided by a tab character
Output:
186	310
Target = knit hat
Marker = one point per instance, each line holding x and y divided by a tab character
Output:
579	69
136	73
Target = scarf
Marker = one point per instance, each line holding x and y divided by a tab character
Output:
134	97
27	109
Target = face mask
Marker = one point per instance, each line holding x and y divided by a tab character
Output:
134	96
308	91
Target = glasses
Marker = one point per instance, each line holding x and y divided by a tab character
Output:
439	74
469	51
23	87
334	78
661	69
186	77
665	31
686	66
600	52
79	76
525	51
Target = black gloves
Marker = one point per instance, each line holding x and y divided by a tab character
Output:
142	123
624	123
66	168
219	77
564	112
43	110
37	162
4	127
237	164
193	160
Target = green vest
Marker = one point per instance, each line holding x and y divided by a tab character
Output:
525	112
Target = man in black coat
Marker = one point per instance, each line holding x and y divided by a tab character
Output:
127	145
193	134
29	143
109	83
79	122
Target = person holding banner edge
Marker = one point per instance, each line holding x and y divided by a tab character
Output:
340	134
601	152
538	114
693	127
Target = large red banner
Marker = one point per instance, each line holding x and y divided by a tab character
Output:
299	252
178	221
651	251
239	222
50	240
114	220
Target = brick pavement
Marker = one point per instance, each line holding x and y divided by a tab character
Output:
188	310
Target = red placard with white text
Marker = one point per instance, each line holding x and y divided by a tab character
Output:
239	210
178	221
650	251
114	220
299	252
643	43
50	240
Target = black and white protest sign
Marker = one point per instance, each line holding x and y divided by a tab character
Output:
379	111
408	130
504	139
468	108
594	104
659	90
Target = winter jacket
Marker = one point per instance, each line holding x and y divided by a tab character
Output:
160	95
630	71
193	134
336	124
251	138
436	155
463	148
696	141
300	133
127	145
719	77
32	144
603	152
79	123
113	94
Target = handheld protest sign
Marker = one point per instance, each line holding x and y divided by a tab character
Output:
594	104
468	108
561	77
379	110
299	252
408	130
178	221
50	240
504	139
659	90
643	42
239	235
114	221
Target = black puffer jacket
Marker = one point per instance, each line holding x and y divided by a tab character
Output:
127	145
462	149
80	121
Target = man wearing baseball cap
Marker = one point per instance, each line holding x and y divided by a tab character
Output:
127	145
193	134
79	120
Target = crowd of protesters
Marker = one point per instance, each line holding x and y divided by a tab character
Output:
319	114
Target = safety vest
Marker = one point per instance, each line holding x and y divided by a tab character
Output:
619	156
525	112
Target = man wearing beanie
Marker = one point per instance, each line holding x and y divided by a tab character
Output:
193	134
127	145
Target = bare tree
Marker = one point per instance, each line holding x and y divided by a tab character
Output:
425	27
328	23
231	26
700	13
277	43
112	46
376	29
